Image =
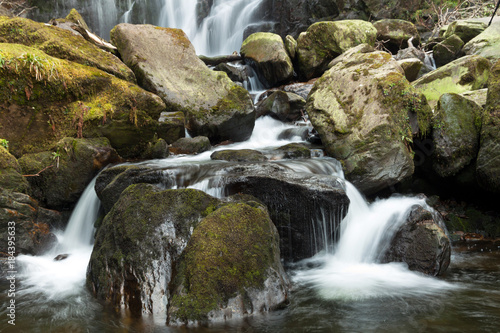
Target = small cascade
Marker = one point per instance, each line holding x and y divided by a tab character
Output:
58	279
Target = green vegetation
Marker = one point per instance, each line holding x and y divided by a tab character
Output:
4	143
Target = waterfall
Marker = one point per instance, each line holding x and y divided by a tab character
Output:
64	278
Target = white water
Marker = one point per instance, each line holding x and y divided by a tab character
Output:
64	278
221	32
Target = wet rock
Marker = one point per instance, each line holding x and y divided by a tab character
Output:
166	63
32	234
293	208
138	243
293	151
241	155
346	106
240	240
69	168
156	150
323	41
284	106
194	145
267	51
301	88
237	74
60	257
421	243
394	34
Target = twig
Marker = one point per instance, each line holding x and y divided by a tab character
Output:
39	172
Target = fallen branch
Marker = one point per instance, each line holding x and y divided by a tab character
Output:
39	172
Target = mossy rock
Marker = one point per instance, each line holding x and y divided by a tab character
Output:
267	51
196	145
291	46
456	127
138	243
323	41
43	99
465	29
366	114
294	151
241	155
232	256
411	67
488	159
165	62
10	173
65	172
486	44
448	50
394	34
464	74
62	44
281	105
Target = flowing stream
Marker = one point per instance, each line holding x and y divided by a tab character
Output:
342	288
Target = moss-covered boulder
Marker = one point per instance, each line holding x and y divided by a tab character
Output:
421	243
486	44
267	52
456	128
291	46
138	243
292	151
240	155
60	176
323	41
464	74
10	173
22	214
366	114
411	67
447	50
284	106
196	145
394	34
230	269
43	99
465	29
488	159
62	44
165	62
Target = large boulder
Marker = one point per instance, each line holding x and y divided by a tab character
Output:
486	44
62	44
194	145
488	159
59	177
23	218
267	52
304	230
10	173
366	114
456	128
421	243
394	34
323	41
230	269
465	29
464	74
43	99
139	241
165	62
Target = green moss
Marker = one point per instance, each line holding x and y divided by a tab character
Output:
231	250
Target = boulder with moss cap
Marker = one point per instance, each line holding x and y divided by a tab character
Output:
267	51
165	62
10	173
366	114
394	34
323	41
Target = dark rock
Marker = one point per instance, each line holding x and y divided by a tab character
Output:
421	243
287	107
60	257
293	151
194	145
159	150
237	74
241	155
448	50
394	34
